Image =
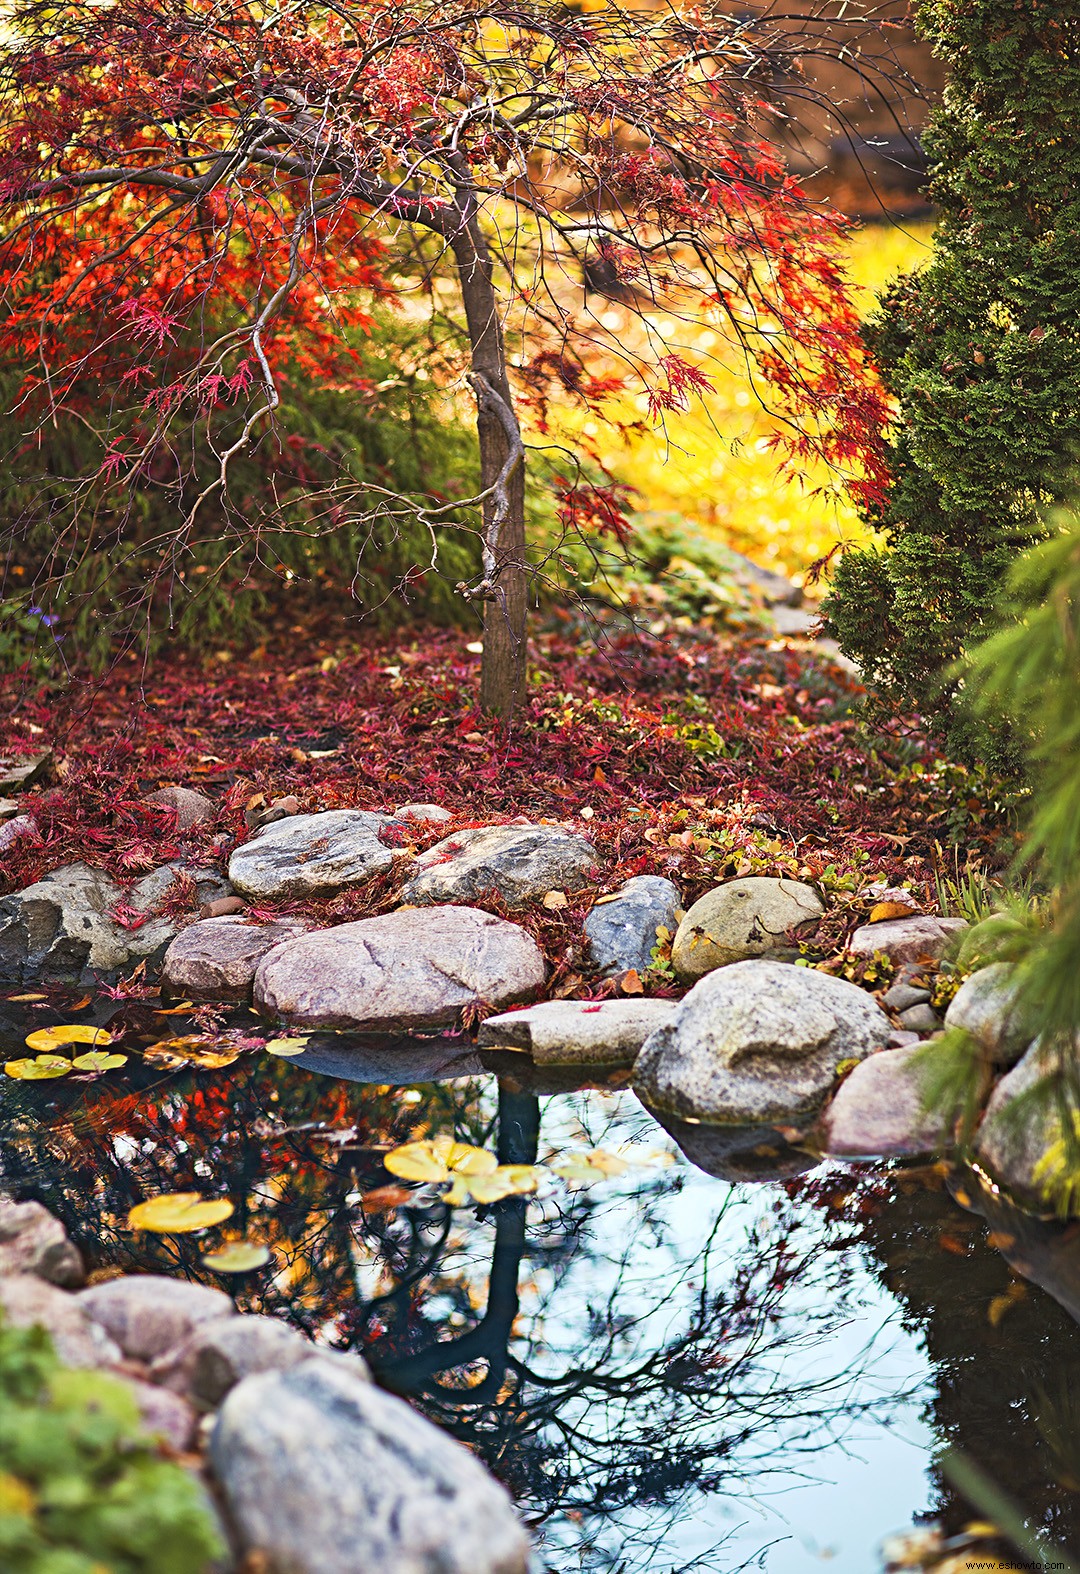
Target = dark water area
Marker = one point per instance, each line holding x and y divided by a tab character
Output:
670	1369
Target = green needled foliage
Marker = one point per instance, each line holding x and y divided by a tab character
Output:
981	351
81	1490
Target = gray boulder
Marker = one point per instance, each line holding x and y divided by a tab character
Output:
61	927
757	1042
621	930
906	939
311	854
416	968
578	1032
222	1352
517	863
28	1302
325	1474
1021	1129
191	808
33	1241
985	1005
148	1313
878	1111
216	958
742	919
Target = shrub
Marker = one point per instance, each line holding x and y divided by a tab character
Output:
81	1491
981	351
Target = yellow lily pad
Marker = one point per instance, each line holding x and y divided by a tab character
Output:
179	1213
98	1060
286	1046
47	1039
438	1160
193	1049
237	1257
41	1069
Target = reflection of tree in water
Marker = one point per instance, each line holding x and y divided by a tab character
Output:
1006	1355
659	1386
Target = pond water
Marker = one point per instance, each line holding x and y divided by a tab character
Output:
671	1370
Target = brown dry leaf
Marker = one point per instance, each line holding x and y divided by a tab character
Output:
555	900
384	1199
885	910
630	983
953	1243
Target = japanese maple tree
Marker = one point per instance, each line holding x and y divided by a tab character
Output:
201	194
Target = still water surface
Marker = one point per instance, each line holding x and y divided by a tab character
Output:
669	1369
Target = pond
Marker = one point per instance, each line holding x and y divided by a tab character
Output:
670	1369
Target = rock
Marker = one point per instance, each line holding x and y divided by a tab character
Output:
742	919
906	939
878	1111
756	1042
324	1474
27	1301
985	1005
61	927
18	772
148	1313
621	930
1018	1132
795	622
900	1038
517	863
223	906
150	893
900	996
221	1353
920	1019
433	813
191	808
416	968
776	590
578	1032
22	828
164	1415
311	854
32	1241
216	958
8	807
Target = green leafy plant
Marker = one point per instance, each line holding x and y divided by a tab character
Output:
82	1491
979	351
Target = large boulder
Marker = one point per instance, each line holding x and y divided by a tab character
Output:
216	958
1020	1141
28	1302
148	1313
222	1352
578	1032
516	863
986	1006
62	928
416	968
757	1042
920	938
879	1111
621	930
323	1473
311	854
742	919
33	1241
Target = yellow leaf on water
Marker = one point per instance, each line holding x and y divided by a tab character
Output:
508	1180
416	1161
19	999
41	1069
46	1039
179	1213
164	1058
286	1046
607	1163
193	1049
578	1170
237	1257
463	1159
98	1060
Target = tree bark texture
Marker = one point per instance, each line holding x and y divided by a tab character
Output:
502	474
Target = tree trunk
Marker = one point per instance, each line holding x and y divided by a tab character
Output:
502	470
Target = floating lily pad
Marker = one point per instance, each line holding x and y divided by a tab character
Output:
46	1039
237	1257
98	1060
40	1069
286	1046
179	1213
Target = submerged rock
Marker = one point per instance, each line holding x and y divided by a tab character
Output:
621	930
216	958
578	1032
33	1241
311	854
906	939
62	928
756	1042
739	920
878	1111
416	968
985	1005
517	863
325	1474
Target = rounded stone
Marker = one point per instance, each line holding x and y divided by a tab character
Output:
216	958
311	854
986	1006
147	1314
742	919
758	1041
906	939
621	930
516	863
416	968
879	1110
